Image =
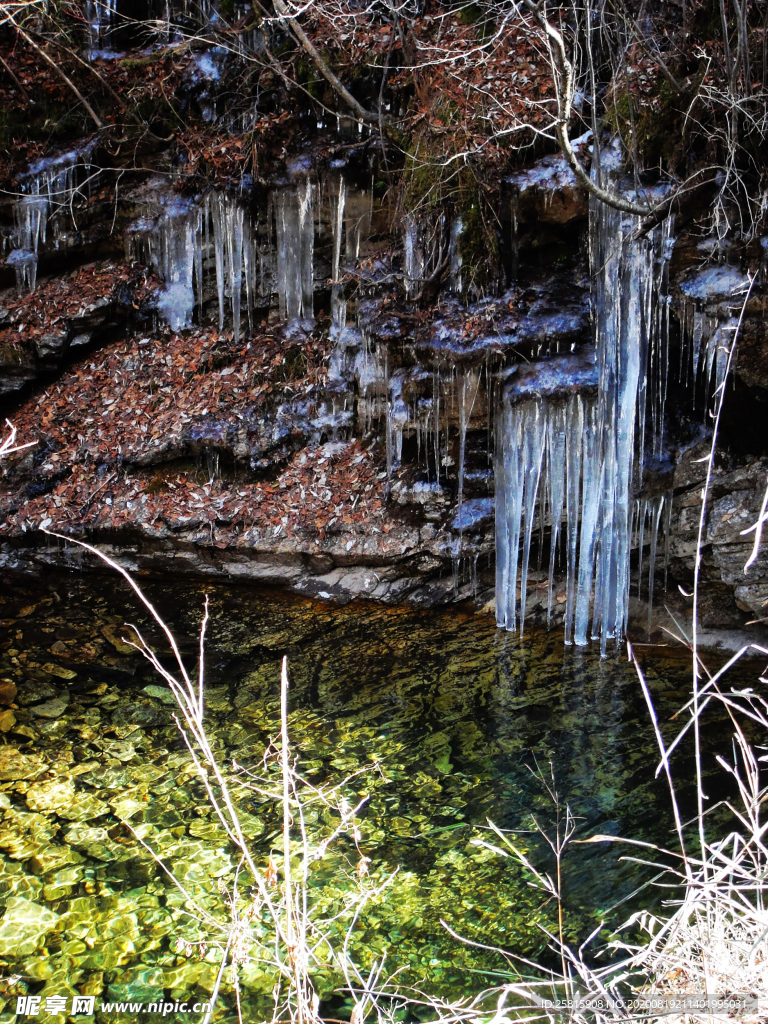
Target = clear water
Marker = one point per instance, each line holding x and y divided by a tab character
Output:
458	715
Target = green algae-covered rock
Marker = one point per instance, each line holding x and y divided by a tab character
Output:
161	693
52	708
51	858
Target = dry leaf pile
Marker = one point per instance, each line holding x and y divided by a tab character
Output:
117	436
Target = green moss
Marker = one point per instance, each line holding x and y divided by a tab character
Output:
306	75
137	63
10	356
156	485
425	180
433	182
11	126
478	247
656	128
52	122
468	14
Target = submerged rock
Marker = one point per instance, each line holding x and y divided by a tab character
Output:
15	765
51	795
24	926
52	708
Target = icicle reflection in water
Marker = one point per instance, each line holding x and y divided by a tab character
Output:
656	511
47	194
537	457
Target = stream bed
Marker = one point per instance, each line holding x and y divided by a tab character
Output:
456	716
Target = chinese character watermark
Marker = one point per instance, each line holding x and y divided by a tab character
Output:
30	1006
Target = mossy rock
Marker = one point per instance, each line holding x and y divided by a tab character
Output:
656	125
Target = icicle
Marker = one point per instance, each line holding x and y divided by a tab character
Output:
338	305
46	197
592	473
582	452
515	240
357	227
643	506
178	244
718	347
656	508
574	428
99	15
655	395
218	219
556	447
468	384
295	246
426	241
413	270
509	489
455	260
397	420
174	248
306	251
249	267
667	532
436	407
531	433
534	438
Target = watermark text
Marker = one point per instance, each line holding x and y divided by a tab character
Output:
36	1006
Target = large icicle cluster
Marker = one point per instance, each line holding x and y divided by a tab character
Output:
45	206
214	245
552	445
547	465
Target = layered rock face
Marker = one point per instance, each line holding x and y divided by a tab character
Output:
296	384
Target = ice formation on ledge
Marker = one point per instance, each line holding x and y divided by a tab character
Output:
560	448
706	342
45	201
193	244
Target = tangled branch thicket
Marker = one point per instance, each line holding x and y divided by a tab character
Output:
458	93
